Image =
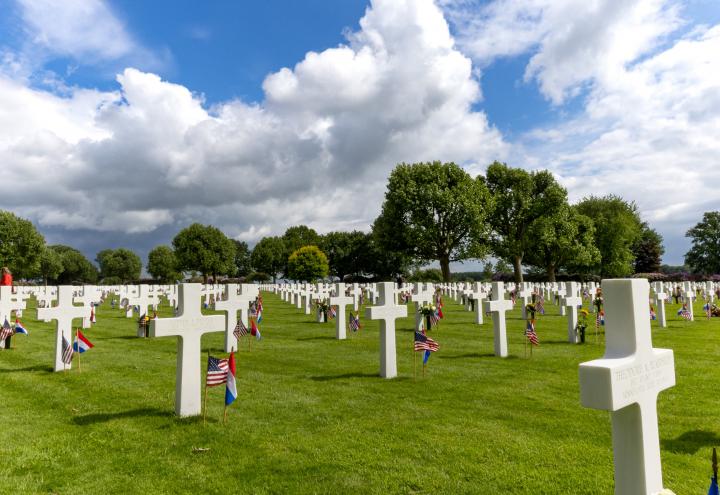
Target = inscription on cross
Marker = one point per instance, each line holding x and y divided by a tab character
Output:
627	381
387	312
189	327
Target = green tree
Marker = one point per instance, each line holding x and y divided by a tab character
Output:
162	265
20	245
648	250
563	240
296	237
345	252
77	269
308	264
268	256
243	264
51	265
433	212
617	229
519	199
704	254
206	249
119	264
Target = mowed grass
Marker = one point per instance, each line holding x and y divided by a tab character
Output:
313	416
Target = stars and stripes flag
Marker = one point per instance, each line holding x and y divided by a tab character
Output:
708	310
254	330
600	319
530	333
653	315
67	351
7	330
331	312
230	386
425	343
684	313
540	305
240	329
355	322
20	328
217	371
434	319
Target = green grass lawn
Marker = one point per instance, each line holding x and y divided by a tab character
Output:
313	416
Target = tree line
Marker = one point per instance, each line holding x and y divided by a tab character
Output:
432	212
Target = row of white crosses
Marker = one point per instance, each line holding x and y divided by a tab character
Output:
237	299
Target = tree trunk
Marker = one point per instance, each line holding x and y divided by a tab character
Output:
517	265
551	273
445	268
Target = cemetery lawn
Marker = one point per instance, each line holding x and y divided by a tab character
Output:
313	416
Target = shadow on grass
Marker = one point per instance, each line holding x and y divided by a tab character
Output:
319	337
122	337
343	376
90	419
37	367
469	355
692	441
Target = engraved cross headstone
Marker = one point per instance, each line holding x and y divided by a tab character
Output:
498	306
387	312
63	314
627	381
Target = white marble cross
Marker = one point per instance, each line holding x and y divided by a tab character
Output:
7	304
627	381
63	314
689	294
387	312
235	300
560	291
498	306
572	301
340	300
422	294
660	297
90	295
478	294
189	327
526	295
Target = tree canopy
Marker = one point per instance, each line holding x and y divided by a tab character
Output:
563	240
704	254
21	245
433	211
51	265
648	250
120	264
162	265
308	264
76	268
268	256
617	228
519	198
205	249
243	263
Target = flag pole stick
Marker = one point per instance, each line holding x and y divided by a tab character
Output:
205	399
414	363
77	339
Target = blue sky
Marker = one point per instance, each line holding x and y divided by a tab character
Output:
123	121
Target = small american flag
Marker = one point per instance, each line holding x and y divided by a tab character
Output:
530	333
331	312
708	310
7	330
240	329
434	319
67	351
600	319
425	343
540	305
354	322
684	313
217	371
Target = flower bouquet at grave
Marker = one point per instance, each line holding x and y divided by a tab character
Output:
582	324
530	310
322	307
430	315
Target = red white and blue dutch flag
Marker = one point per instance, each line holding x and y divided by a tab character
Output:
19	328
230	387
81	343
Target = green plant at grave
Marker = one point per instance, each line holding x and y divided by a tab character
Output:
582	324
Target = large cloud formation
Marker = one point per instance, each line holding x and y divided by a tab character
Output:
316	151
